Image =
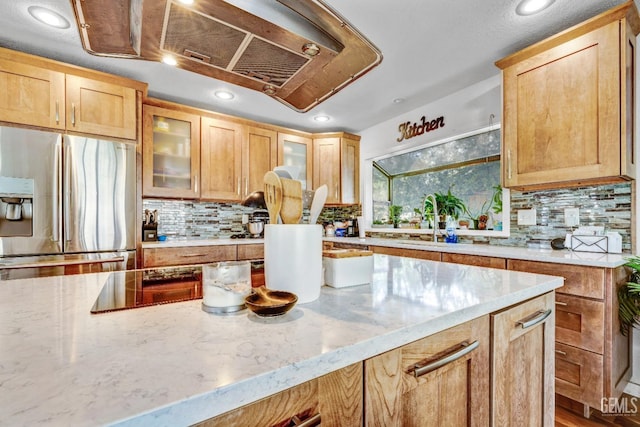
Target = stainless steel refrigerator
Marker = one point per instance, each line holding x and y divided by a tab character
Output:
67	204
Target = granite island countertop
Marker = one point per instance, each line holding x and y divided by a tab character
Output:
174	364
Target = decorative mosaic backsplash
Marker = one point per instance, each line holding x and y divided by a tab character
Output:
188	219
604	205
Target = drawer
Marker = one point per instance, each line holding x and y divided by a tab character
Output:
411	253
164	257
480	261
581	281
579	374
251	252
580	322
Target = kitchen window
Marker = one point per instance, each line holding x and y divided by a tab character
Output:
469	167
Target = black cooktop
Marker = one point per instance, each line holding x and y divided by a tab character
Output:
140	288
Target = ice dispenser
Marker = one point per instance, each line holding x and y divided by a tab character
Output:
16	206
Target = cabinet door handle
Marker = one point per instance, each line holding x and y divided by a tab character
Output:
73	114
418	369
313	420
246	186
57	111
564	304
337	193
195	184
561	353
239	193
534	319
509	164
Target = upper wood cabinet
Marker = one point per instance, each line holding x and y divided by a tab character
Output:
522	383
34	92
31	95
296	150
440	380
568	105
100	108
336	163
171	153
259	156
221	159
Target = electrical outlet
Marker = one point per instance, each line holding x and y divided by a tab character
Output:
572	217
527	217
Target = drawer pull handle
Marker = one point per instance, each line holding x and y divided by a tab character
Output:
192	255
564	304
562	353
313	420
534	319
418	369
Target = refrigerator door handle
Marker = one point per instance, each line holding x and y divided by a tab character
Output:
57	188
67	192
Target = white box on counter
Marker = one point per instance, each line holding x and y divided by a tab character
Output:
347	267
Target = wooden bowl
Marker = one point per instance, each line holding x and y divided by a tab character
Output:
269	303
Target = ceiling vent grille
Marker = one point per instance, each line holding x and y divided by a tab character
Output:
269	63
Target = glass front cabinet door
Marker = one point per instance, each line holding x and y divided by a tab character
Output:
171	153
295	151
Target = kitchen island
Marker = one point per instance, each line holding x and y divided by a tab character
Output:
175	364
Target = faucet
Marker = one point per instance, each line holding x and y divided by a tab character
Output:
435	214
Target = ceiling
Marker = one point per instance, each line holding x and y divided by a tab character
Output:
430	48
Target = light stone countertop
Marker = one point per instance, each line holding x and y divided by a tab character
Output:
174	364
564	256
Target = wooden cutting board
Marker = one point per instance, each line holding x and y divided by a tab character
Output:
291	210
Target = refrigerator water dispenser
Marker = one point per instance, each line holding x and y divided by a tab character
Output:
16	206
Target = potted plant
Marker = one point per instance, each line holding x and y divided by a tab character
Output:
394	214
448	205
629	298
480	219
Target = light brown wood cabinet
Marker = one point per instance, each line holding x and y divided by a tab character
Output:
440	380
259	156
166	257
36	93
221	159
334	399
568	105
171	153
297	150
411	253
592	357
522	382
336	164
480	261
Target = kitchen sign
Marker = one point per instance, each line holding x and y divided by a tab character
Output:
408	130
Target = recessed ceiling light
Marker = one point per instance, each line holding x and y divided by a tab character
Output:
169	60
322	118
48	17
398	100
223	94
529	7
186	1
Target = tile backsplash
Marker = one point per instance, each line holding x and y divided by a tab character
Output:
603	205
189	219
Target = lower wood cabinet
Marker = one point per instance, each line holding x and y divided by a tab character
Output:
441	380
522	383
480	261
411	253
166	257
334	399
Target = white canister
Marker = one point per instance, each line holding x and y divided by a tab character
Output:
293	259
